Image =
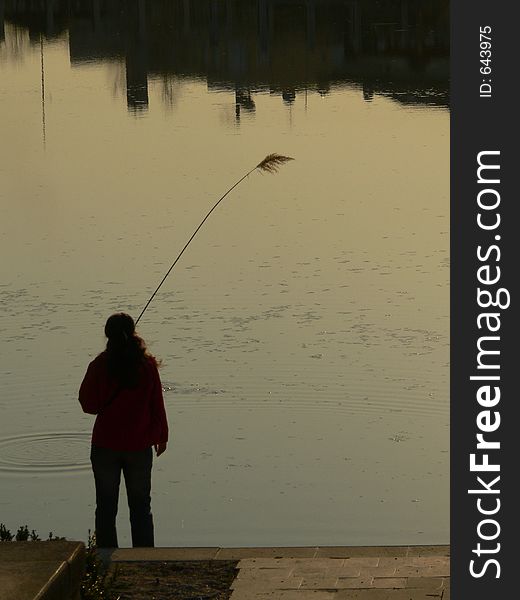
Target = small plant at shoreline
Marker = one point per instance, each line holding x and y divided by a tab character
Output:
97	581
23	535
5	534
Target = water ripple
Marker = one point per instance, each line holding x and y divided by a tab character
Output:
45	452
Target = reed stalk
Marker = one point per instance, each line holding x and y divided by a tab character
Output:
270	164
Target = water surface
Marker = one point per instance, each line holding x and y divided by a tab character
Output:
304	334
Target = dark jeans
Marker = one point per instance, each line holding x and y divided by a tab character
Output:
137	469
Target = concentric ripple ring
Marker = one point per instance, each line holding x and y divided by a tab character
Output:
45	452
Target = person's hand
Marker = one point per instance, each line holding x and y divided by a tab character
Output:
160	448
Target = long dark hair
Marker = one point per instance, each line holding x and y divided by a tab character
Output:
125	350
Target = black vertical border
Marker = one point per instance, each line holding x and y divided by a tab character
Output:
479	124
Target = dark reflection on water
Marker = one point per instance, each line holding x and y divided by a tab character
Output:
395	48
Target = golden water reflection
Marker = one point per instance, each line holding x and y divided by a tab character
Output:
304	334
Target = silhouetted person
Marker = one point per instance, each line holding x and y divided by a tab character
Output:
122	387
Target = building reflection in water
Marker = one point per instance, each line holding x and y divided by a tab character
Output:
395	48
136	59
2	19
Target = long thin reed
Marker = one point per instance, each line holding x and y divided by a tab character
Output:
270	164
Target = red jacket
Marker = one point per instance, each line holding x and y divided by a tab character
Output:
135	419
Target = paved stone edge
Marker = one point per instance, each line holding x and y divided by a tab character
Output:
216	553
66	580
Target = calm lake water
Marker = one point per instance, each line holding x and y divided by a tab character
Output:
304	334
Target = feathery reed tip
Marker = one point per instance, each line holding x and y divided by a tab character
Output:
272	162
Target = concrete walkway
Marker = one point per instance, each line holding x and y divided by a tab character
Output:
321	573
50	570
